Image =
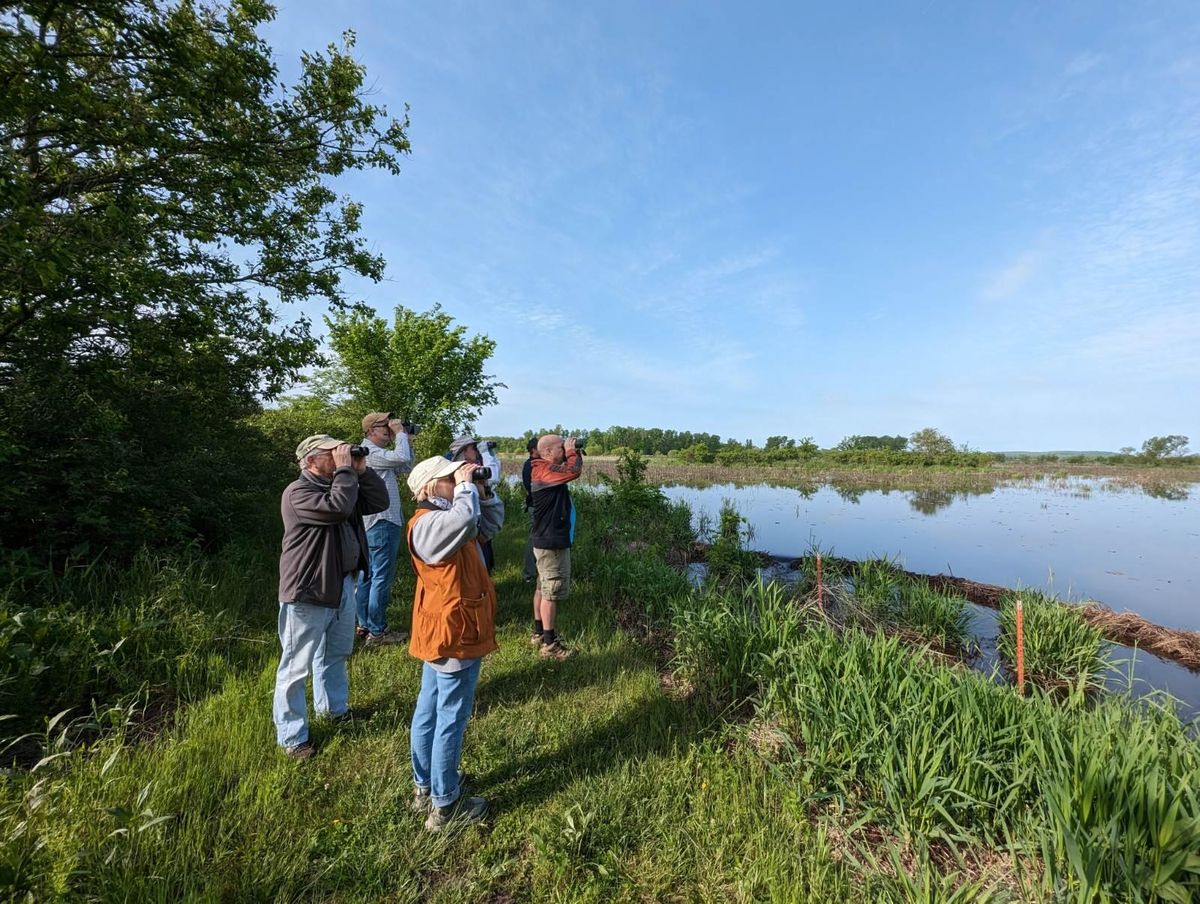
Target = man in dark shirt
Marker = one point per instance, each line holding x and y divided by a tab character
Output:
553	533
324	547
529	567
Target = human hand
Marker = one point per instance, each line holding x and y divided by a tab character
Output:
463	474
341	456
359	463
396	426
569	444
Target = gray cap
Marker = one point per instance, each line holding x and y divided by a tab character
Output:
461	443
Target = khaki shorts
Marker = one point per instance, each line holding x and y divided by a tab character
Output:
554	572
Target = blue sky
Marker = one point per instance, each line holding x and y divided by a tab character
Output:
802	219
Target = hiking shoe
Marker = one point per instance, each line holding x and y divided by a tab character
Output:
464	811
302	751
386	639
535	639
556	650
422	798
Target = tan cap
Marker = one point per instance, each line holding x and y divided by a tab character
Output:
430	469
315	443
374	419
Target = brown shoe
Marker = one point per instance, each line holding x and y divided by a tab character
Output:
302	751
556	650
464	811
386	639
535	640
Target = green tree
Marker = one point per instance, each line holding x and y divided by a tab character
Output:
421	366
929	441
807	447
1158	447
857	443
160	196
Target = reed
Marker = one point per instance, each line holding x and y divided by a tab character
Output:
1063	653
940	618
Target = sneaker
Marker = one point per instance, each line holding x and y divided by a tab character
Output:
535	639
422	799
360	633
556	650
302	751
465	810
386	639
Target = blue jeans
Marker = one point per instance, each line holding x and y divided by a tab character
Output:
318	640
375	589
439	722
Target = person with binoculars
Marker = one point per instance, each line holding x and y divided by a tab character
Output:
382	429
471	449
552	531
453	627
324	548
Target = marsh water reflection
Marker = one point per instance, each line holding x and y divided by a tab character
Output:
1131	547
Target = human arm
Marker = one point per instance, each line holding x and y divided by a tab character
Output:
399	459
489	459
439	534
372	492
315	504
491	516
542	474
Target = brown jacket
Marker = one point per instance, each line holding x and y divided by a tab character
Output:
454	607
323	537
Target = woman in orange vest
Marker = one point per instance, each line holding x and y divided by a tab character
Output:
453	627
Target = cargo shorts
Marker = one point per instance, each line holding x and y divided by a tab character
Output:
554	572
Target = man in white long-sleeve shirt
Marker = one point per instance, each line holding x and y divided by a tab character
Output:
381	430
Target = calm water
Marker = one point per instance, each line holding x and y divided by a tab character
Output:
1077	539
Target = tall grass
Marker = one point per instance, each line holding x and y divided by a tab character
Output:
1104	799
939	618
1062	652
726	638
876	587
166	628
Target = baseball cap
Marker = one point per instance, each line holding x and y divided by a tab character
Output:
315	443
374	419
461	443
430	469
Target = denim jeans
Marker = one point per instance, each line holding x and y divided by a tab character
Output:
314	639
439	722
375	589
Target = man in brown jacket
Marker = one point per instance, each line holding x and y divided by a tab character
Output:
324	547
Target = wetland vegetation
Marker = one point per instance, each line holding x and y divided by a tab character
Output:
730	741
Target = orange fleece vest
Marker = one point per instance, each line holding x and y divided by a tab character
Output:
454	607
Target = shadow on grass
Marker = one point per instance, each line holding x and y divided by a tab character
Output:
542	679
657	726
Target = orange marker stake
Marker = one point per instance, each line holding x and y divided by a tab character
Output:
1020	649
820	586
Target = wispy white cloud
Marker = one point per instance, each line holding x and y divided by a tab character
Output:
1013	277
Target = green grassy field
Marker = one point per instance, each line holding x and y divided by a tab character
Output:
700	747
